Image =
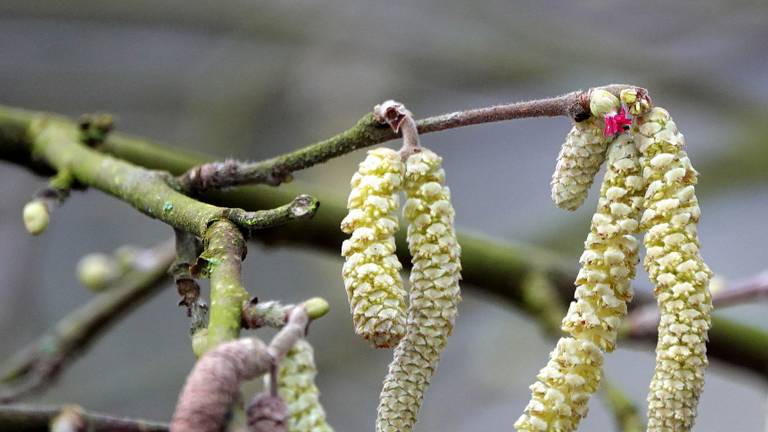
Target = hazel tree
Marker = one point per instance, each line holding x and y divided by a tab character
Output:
647	189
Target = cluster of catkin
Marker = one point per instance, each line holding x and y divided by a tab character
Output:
371	273
648	186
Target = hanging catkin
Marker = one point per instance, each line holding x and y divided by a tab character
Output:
371	271
582	153
296	386
560	396
579	161
434	292
679	274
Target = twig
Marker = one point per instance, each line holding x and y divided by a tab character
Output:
213	385
742	291
188	247
369	131
36	418
302	207
273	314
57	142
643	321
40	363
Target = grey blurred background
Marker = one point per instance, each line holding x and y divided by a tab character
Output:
250	79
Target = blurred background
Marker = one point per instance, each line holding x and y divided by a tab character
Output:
251	79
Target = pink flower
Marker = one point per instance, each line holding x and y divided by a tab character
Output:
615	123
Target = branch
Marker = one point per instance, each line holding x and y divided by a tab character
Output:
493	267
273	314
28	418
642	322
369	131
57	142
625	411
213	385
41	362
224	252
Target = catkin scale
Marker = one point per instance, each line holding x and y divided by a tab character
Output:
560	396
580	158
434	284
371	270
296	386
678	272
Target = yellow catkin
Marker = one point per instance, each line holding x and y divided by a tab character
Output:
371	271
579	161
679	274
434	292
560	397
296	386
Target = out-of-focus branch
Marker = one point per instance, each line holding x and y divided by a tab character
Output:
213	385
34	418
40	363
642	322
626	415
369	131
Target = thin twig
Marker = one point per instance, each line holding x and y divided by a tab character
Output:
188	247
40	363
369	131
37	418
644	320
213	386
274	314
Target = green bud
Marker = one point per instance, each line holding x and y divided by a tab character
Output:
602	102
96	271
316	307
35	216
636	104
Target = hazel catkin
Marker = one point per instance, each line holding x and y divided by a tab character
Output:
678	272
371	271
434	284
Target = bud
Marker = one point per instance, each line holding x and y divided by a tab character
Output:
371	271
36	216
96	271
678	272
636	103
602	102
434	295
316	307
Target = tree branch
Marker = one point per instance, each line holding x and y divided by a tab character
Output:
40	363
224	252
57	142
33	418
370	130
493	267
